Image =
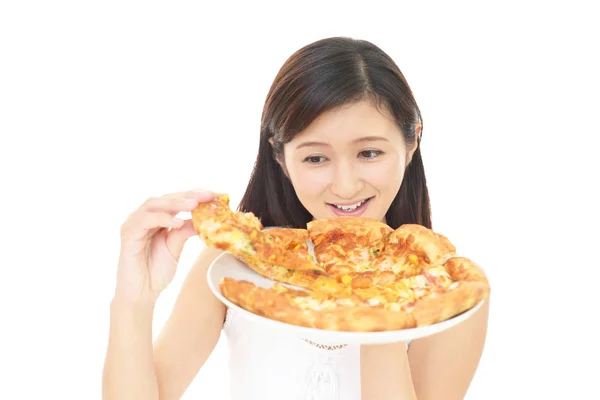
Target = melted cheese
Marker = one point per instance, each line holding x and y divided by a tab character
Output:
313	304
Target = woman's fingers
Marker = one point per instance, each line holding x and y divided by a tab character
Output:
160	212
202	195
168	204
177	202
151	220
140	224
176	238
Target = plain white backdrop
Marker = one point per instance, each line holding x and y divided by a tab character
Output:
103	104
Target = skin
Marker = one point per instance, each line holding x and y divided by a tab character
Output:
345	167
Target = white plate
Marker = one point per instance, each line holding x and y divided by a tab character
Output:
228	266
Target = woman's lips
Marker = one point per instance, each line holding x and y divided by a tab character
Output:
352	213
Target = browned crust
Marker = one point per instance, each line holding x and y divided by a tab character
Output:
218	211
464	269
470	287
364	231
466	295
278	306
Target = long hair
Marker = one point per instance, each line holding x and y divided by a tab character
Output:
323	76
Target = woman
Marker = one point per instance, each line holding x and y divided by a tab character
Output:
340	135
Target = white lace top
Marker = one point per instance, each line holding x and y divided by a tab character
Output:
266	365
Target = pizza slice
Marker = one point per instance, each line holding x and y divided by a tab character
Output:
428	246
405	303
314	309
413	249
347	245
362	252
241	235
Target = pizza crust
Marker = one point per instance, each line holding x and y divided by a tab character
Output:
461	298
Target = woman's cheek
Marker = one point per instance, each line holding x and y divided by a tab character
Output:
313	180
385	174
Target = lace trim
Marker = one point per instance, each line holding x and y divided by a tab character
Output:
326	346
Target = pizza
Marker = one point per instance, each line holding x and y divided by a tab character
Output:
359	275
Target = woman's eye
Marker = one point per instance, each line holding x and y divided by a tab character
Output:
315	159
370	154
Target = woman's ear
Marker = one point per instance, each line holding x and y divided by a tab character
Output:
278	157
411	151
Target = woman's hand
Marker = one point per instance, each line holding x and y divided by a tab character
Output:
151	242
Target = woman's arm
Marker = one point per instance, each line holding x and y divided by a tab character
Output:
191	332
385	373
135	369
439	366
443	365
128	368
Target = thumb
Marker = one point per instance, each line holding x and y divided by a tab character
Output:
177	237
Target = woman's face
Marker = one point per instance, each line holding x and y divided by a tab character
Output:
349	161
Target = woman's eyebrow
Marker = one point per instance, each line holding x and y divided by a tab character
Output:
370	139
361	139
309	144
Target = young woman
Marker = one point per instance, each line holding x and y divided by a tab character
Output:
340	135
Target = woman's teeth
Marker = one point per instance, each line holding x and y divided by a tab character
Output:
351	207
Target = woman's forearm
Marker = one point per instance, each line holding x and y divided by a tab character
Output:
385	372
129	367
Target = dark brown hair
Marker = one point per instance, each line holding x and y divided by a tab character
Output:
319	77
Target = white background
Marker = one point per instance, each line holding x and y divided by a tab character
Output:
103	104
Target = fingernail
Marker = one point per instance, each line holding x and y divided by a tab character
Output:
205	193
176	222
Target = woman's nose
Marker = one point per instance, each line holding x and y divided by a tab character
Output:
346	183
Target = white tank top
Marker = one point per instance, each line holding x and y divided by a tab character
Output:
266	365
